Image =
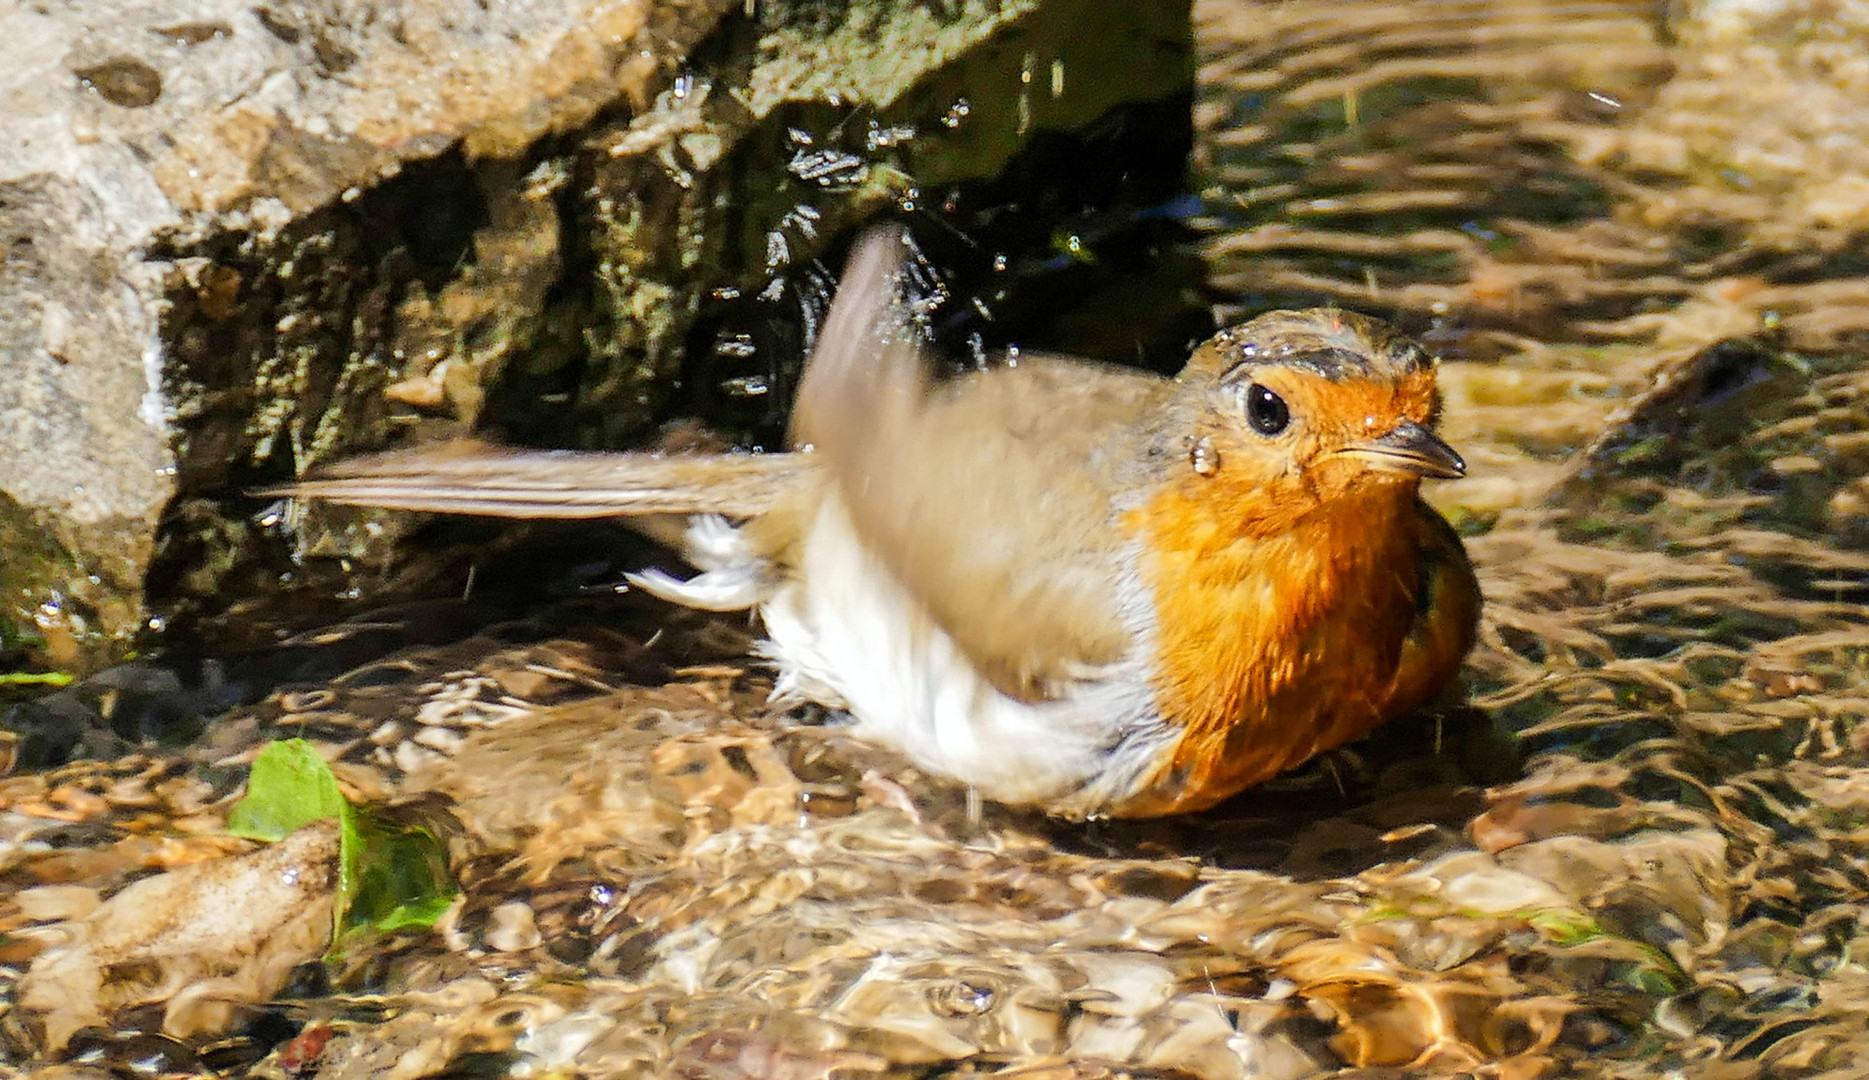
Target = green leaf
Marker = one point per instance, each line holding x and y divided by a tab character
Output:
35	678
394	877
390	876
290	787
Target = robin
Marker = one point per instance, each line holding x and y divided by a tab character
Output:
1085	588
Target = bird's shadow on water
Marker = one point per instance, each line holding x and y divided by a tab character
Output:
1407	792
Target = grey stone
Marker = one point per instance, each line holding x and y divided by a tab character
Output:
240	240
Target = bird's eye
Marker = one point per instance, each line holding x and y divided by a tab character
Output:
1265	411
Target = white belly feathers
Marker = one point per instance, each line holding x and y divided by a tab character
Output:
854	639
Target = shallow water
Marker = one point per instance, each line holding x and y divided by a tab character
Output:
1637	848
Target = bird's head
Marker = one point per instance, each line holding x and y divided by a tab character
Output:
1306	408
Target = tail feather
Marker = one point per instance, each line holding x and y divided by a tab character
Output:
492	482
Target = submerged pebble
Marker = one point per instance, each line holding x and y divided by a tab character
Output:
124	81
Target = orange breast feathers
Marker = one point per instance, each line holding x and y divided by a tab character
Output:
1273	647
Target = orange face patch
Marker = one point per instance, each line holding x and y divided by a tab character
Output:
1283	574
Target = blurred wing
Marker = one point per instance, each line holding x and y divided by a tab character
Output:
478	479
988	497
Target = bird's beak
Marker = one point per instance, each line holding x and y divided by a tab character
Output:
1410	449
